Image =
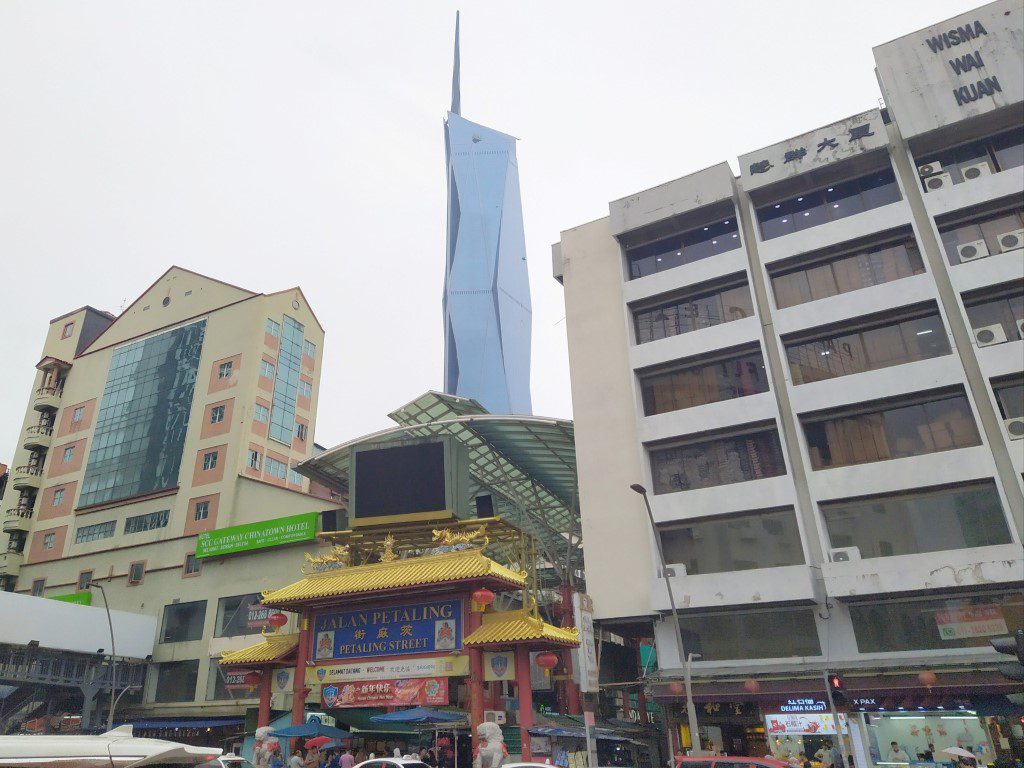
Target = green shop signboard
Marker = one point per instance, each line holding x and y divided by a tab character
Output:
269	533
81	598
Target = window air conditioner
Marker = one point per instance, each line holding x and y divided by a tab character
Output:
938	181
972	251
1015	428
494	716
989	335
929	169
976	171
844	554
1010	240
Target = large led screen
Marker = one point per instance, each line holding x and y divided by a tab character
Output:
403	480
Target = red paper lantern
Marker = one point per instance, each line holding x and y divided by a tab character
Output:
927	678
252	679
483	596
547	660
277	619
676	688
751	686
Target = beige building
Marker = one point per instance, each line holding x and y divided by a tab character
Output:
185	414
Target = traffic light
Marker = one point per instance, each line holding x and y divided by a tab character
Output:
837	687
1014	646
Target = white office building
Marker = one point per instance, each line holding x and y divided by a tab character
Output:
815	370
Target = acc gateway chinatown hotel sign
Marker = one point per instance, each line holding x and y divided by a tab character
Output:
389	631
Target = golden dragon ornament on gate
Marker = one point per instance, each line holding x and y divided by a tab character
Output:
336	557
447	540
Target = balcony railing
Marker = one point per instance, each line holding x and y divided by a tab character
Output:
34	470
51	391
39	429
19	511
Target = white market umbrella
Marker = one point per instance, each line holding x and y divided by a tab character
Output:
959	752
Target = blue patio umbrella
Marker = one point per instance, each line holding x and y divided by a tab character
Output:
418	715
309	730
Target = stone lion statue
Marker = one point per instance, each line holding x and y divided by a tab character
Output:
491	752
265	747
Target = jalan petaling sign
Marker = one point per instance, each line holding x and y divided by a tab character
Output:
269	533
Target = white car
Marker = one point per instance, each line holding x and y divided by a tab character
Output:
114	749
392	762
231	760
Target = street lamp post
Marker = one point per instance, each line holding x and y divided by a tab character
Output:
666	572
113	655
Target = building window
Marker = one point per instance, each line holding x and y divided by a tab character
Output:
848	272
69	454
895	625
879	345
58	497
136	572
996	315
37	587
144	414
273	327
67	330
147	522
217	414
1010	397
253	461
684	248
837	201
692	311
301	430
183	622
294	477
217	684
700	383
286	384
771	633
723	460
209	461
201	511
305	389
240	615
266	369
876	432
84	580
261	413
1000	152
193	566
274	468
988	235
763	539
48	540
932	520
176	681
224	370
95	532
78	414
308	348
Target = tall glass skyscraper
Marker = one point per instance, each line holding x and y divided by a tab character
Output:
487	314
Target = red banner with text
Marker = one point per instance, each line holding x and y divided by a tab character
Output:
387	693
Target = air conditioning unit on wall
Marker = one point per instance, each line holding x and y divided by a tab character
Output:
937	182
844	554
976	171
972	251
929	169
988	335
1010	240
1015	428
494	716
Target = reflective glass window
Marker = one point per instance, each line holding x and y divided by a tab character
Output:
183	622
684	248
240	615
147	522
764	539
1010	396
1000	153
913	523
936	624
1004	308
988	228
691	312
95	532
261	413
719	461
201	511
176	681
273	327
701	383
286	385
143	416
763	634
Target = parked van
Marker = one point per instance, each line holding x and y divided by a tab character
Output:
114	749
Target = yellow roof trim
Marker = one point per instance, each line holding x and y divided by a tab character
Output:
513	626
416	571
272	648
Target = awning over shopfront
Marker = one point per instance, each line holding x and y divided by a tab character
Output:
419	715
521	626
272	648
185	722
446	568
576	733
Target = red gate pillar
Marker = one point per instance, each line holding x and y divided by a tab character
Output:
476	692
299	689
263	717
525	694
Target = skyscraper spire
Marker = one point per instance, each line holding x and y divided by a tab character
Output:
456	95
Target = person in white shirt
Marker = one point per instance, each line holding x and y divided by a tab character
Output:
896	754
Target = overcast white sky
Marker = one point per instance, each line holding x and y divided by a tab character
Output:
305	139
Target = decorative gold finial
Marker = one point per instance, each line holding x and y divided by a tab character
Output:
336	557
388	554
447	538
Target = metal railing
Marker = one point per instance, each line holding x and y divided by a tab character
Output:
35	470
44	666
19	511
54	391
39	429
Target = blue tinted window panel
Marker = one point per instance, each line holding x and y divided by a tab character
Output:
286	383
143	416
